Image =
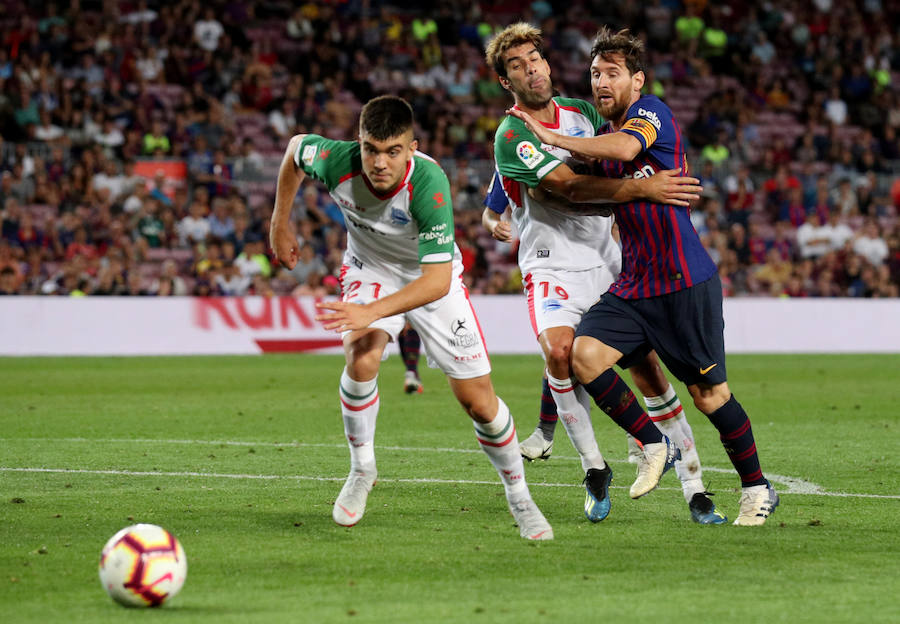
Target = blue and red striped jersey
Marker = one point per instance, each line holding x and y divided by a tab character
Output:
661	251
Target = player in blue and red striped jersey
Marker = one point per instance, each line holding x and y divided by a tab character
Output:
668	295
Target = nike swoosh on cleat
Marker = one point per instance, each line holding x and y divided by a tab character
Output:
536	535
347	511
703	371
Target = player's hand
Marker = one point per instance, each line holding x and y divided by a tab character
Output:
670	187
345	316
502	232
285	246
543	135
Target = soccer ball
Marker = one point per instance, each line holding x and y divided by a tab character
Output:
142	566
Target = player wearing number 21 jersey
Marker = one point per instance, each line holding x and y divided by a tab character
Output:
401	264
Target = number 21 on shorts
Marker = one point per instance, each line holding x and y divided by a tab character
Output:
353	289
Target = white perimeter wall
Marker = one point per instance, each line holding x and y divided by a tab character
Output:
168	326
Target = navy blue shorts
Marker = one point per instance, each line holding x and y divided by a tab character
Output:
685	328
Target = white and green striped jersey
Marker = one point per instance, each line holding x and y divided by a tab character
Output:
397	230
551	240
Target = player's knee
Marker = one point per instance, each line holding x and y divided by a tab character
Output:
587	362
479	407
558	356
710	398
363	363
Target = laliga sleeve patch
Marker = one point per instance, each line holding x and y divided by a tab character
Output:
309	155
529	154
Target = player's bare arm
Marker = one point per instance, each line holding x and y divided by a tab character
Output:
494	223
613	146
668	187
281	234
549	200
433	284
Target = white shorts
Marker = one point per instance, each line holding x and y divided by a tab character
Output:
448	327
560	298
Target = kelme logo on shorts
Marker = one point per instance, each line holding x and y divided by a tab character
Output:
528	154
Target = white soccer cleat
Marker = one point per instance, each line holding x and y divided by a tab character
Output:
536	447
655	461
532	523
351	502
758	502
411	383
634	450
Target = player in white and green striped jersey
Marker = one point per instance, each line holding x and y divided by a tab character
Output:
401	264
568	260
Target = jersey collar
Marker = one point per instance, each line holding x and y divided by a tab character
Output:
551	126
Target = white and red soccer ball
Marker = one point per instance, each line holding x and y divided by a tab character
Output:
142	566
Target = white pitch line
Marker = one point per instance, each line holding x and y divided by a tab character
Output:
221	475
793	485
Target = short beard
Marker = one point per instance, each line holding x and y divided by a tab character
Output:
534	100
615	113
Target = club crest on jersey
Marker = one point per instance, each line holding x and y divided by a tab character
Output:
398	217
309	155
575	131
528	154
551	305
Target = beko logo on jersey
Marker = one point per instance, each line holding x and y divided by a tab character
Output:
644	172
309	155
651	116
528	154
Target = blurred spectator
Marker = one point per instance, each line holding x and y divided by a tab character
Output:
813	238
230	281
221	225
253	260
839	233
309	264
149	227
195	227
169	283
870	245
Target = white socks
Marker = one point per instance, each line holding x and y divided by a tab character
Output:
573	406
359	407
499	441
666	411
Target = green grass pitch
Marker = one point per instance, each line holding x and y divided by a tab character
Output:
241	458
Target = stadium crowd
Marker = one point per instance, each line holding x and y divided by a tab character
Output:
792	112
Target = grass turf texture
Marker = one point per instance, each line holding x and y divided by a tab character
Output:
266	549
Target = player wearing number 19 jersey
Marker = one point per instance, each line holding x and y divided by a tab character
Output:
668	295
401	264
566	261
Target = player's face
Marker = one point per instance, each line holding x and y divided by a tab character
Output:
615	88
527	76
384	162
